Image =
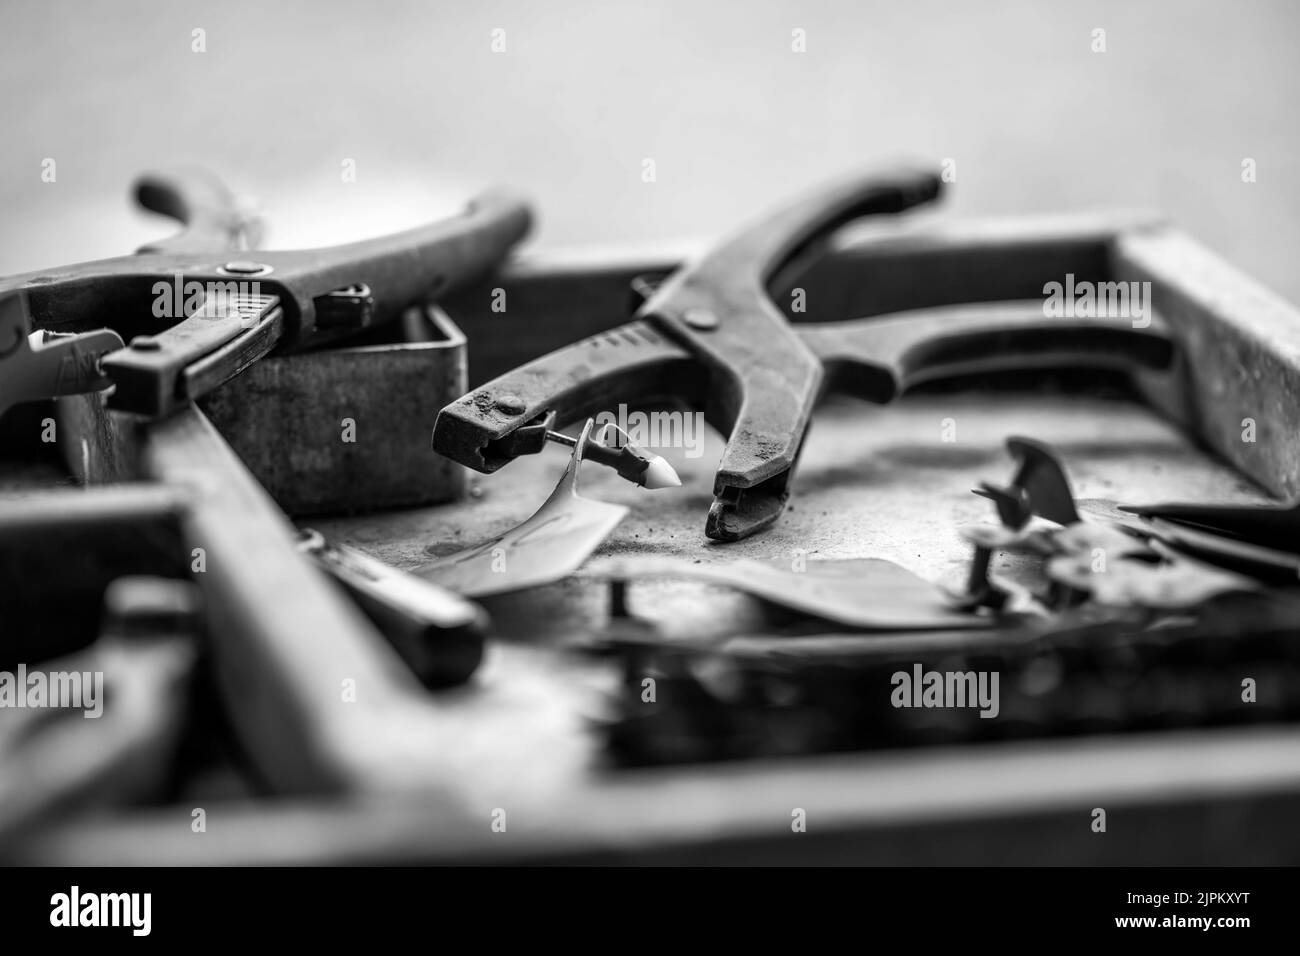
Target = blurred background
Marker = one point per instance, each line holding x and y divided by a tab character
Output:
585	91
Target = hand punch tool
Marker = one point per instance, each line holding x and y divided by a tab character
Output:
710	336
193	314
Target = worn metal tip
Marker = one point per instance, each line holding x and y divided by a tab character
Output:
659	474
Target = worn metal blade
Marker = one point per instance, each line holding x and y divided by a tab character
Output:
549	546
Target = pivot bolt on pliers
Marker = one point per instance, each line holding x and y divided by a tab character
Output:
711	337
193	315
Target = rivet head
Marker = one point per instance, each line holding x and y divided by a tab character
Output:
511	404
244	268
146	343
701	319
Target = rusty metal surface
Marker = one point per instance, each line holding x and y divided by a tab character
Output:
1244	396
519	736
874	482
318	462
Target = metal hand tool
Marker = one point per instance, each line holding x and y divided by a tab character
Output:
287	648
436	631
488	756
195	314
710	337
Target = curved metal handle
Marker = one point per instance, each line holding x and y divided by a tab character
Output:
631	363
878	358
213	217
402	269
304	298
765	379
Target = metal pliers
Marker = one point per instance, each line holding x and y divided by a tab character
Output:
710	336
193	315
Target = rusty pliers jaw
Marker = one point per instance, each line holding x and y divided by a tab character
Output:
41	364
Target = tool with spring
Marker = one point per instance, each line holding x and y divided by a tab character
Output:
194	313
710	337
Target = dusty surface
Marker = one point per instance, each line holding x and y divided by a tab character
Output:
873	482
1035	121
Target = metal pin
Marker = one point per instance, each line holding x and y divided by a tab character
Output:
631	461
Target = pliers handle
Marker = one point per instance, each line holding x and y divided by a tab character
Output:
764	379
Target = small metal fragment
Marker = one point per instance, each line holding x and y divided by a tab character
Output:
1039	487
547	547
1177	583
